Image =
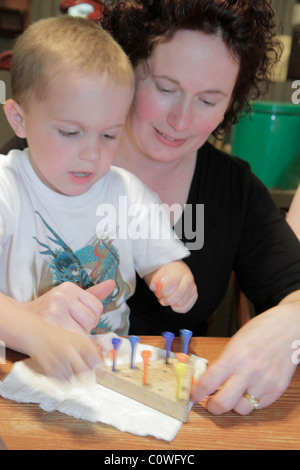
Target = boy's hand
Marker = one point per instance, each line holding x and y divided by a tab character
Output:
174	285
72	308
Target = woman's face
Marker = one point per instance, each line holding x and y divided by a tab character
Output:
182	95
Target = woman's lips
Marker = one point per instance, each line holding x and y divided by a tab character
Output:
168	140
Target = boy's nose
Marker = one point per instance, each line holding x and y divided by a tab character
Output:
91	151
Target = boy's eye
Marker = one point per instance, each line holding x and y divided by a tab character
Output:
109	136
67	133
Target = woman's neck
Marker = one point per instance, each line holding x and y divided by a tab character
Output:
170	180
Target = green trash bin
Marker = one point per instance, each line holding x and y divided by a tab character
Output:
269	139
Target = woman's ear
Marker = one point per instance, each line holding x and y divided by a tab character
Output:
15	116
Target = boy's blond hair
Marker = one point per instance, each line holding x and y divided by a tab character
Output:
62	44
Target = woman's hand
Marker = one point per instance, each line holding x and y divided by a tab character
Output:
174	285
60	353
257	360
72	308
39	328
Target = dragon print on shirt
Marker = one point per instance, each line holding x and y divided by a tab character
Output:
96	262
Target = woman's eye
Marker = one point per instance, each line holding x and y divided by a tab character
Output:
163	89
208	103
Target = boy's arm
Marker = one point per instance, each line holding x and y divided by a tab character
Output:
174	285
58	352
15	325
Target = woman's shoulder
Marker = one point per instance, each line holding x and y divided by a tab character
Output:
13	144
223	178
218	160
218	169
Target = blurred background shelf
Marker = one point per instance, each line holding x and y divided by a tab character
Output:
14	16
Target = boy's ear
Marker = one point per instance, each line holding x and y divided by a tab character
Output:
15	116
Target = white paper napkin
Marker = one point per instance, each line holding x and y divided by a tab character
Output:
85	399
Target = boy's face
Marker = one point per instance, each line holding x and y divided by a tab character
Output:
73	133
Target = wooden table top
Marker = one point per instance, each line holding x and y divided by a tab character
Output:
26	426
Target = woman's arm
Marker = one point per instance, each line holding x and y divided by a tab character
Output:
258	360
293	215
58	352
39	328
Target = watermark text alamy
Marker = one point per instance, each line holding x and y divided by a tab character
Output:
296	93
141	221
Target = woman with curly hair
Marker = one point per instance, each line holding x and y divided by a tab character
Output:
197	65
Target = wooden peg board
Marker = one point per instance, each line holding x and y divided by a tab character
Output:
161	391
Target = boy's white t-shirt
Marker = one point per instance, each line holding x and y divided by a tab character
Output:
113	230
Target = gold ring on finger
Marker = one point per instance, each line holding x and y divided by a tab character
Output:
252	400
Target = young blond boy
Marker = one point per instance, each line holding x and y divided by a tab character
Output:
72	88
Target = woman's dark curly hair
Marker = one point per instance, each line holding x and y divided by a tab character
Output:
247	28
